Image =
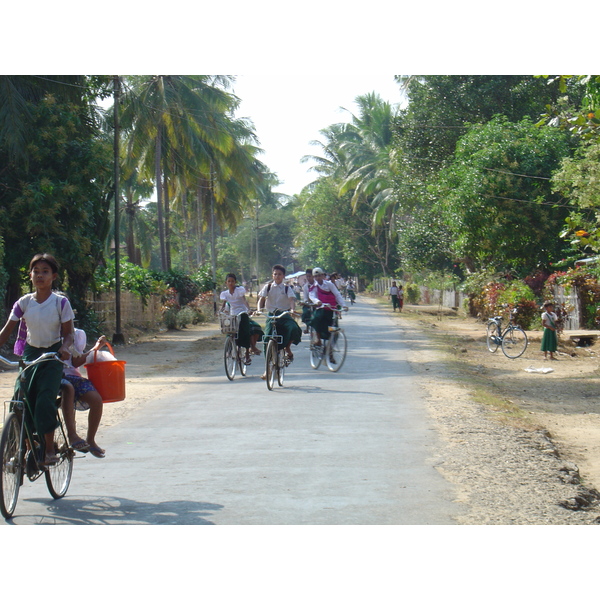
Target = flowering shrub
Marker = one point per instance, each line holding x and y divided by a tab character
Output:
170	308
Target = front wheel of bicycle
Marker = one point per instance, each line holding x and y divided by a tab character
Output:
491	337
336	350
12	465
514	342
229	357
271	363
58	476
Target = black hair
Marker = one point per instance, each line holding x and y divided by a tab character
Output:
230	275
47	258
279	268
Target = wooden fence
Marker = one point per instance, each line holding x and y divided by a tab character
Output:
133	312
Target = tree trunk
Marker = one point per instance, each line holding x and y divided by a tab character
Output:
159	204
167	224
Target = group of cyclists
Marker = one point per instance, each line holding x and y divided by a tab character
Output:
319	295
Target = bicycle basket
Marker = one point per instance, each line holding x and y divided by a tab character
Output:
229	323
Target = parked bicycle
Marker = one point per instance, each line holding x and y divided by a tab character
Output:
233	355
332	350
513	340
276	359
21	450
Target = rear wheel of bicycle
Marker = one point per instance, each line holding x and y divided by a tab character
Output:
280	366
491	337
271	363
241	360
58	476
12	465
514	342
316	352
230	357
336	350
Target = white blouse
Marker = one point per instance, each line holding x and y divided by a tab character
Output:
235	300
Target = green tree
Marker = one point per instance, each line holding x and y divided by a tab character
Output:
497	198
58	200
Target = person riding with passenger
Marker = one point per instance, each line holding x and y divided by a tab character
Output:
46	326
324	292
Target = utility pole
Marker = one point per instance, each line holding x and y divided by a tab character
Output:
118	337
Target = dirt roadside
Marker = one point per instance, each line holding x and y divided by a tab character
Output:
521	448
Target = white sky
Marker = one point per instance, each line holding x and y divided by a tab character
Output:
289	110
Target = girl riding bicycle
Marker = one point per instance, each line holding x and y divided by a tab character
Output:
249	331
49	328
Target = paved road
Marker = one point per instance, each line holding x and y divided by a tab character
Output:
353	447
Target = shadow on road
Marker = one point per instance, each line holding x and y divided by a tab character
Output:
111	510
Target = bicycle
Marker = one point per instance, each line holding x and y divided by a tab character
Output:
276	358
513	339
332	350
232	353
20	447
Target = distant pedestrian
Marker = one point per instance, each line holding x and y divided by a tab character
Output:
394	296
400	297
549	339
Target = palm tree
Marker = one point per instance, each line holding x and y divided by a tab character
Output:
176	123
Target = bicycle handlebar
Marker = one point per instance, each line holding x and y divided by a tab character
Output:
30	363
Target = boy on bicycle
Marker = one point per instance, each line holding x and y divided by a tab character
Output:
307	310
324	292
279	297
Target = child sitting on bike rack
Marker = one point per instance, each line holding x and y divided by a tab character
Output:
249	331
46	326
79	393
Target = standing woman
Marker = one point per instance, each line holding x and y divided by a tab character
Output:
49	321
394	295
549	339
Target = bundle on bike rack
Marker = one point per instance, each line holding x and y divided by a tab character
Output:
108	377
229	323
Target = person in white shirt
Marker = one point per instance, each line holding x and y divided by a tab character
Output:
49	328
79	393
278	297
394	295
324	292
307	310
249	331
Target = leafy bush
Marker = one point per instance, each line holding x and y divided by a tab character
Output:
134	279
412	293
184	317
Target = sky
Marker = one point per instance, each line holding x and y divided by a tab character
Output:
289	111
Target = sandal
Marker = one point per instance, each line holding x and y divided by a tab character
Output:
255	351
96	451
80	446
247	361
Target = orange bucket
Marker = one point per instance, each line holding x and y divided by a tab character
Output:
108	377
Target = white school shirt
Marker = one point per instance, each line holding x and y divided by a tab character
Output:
236	304
276	297
393	291
77	349
550	318
44	320
306	290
